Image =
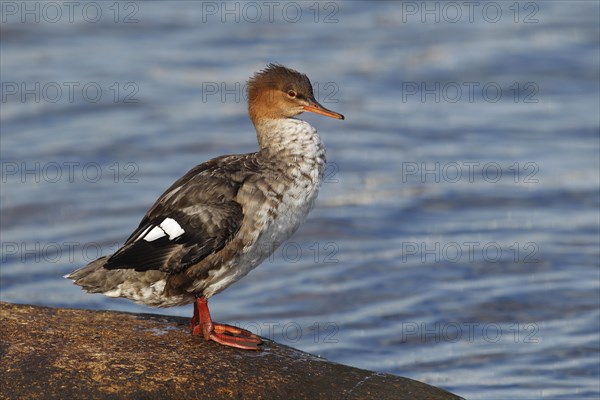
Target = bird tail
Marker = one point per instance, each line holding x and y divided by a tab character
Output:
93	278
144	287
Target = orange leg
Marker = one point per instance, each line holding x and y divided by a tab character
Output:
225	334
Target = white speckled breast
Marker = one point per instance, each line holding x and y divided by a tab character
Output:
297	159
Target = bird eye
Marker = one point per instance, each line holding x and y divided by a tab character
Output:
291	93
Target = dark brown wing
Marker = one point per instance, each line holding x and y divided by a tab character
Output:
197	216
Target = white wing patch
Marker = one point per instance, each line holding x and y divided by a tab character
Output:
154	234
169	227
172	228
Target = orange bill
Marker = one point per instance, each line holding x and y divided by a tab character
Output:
315	107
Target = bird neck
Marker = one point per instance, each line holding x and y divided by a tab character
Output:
285	137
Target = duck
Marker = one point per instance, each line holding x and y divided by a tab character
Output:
225	216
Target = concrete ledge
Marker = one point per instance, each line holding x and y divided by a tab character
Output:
73	354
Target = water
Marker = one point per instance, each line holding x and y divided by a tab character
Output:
455	240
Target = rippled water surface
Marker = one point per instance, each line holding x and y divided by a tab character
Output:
455	240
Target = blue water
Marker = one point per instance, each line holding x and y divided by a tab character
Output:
456	239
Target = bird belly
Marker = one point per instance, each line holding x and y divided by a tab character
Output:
277	225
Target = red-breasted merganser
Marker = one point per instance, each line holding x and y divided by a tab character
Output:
225	216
